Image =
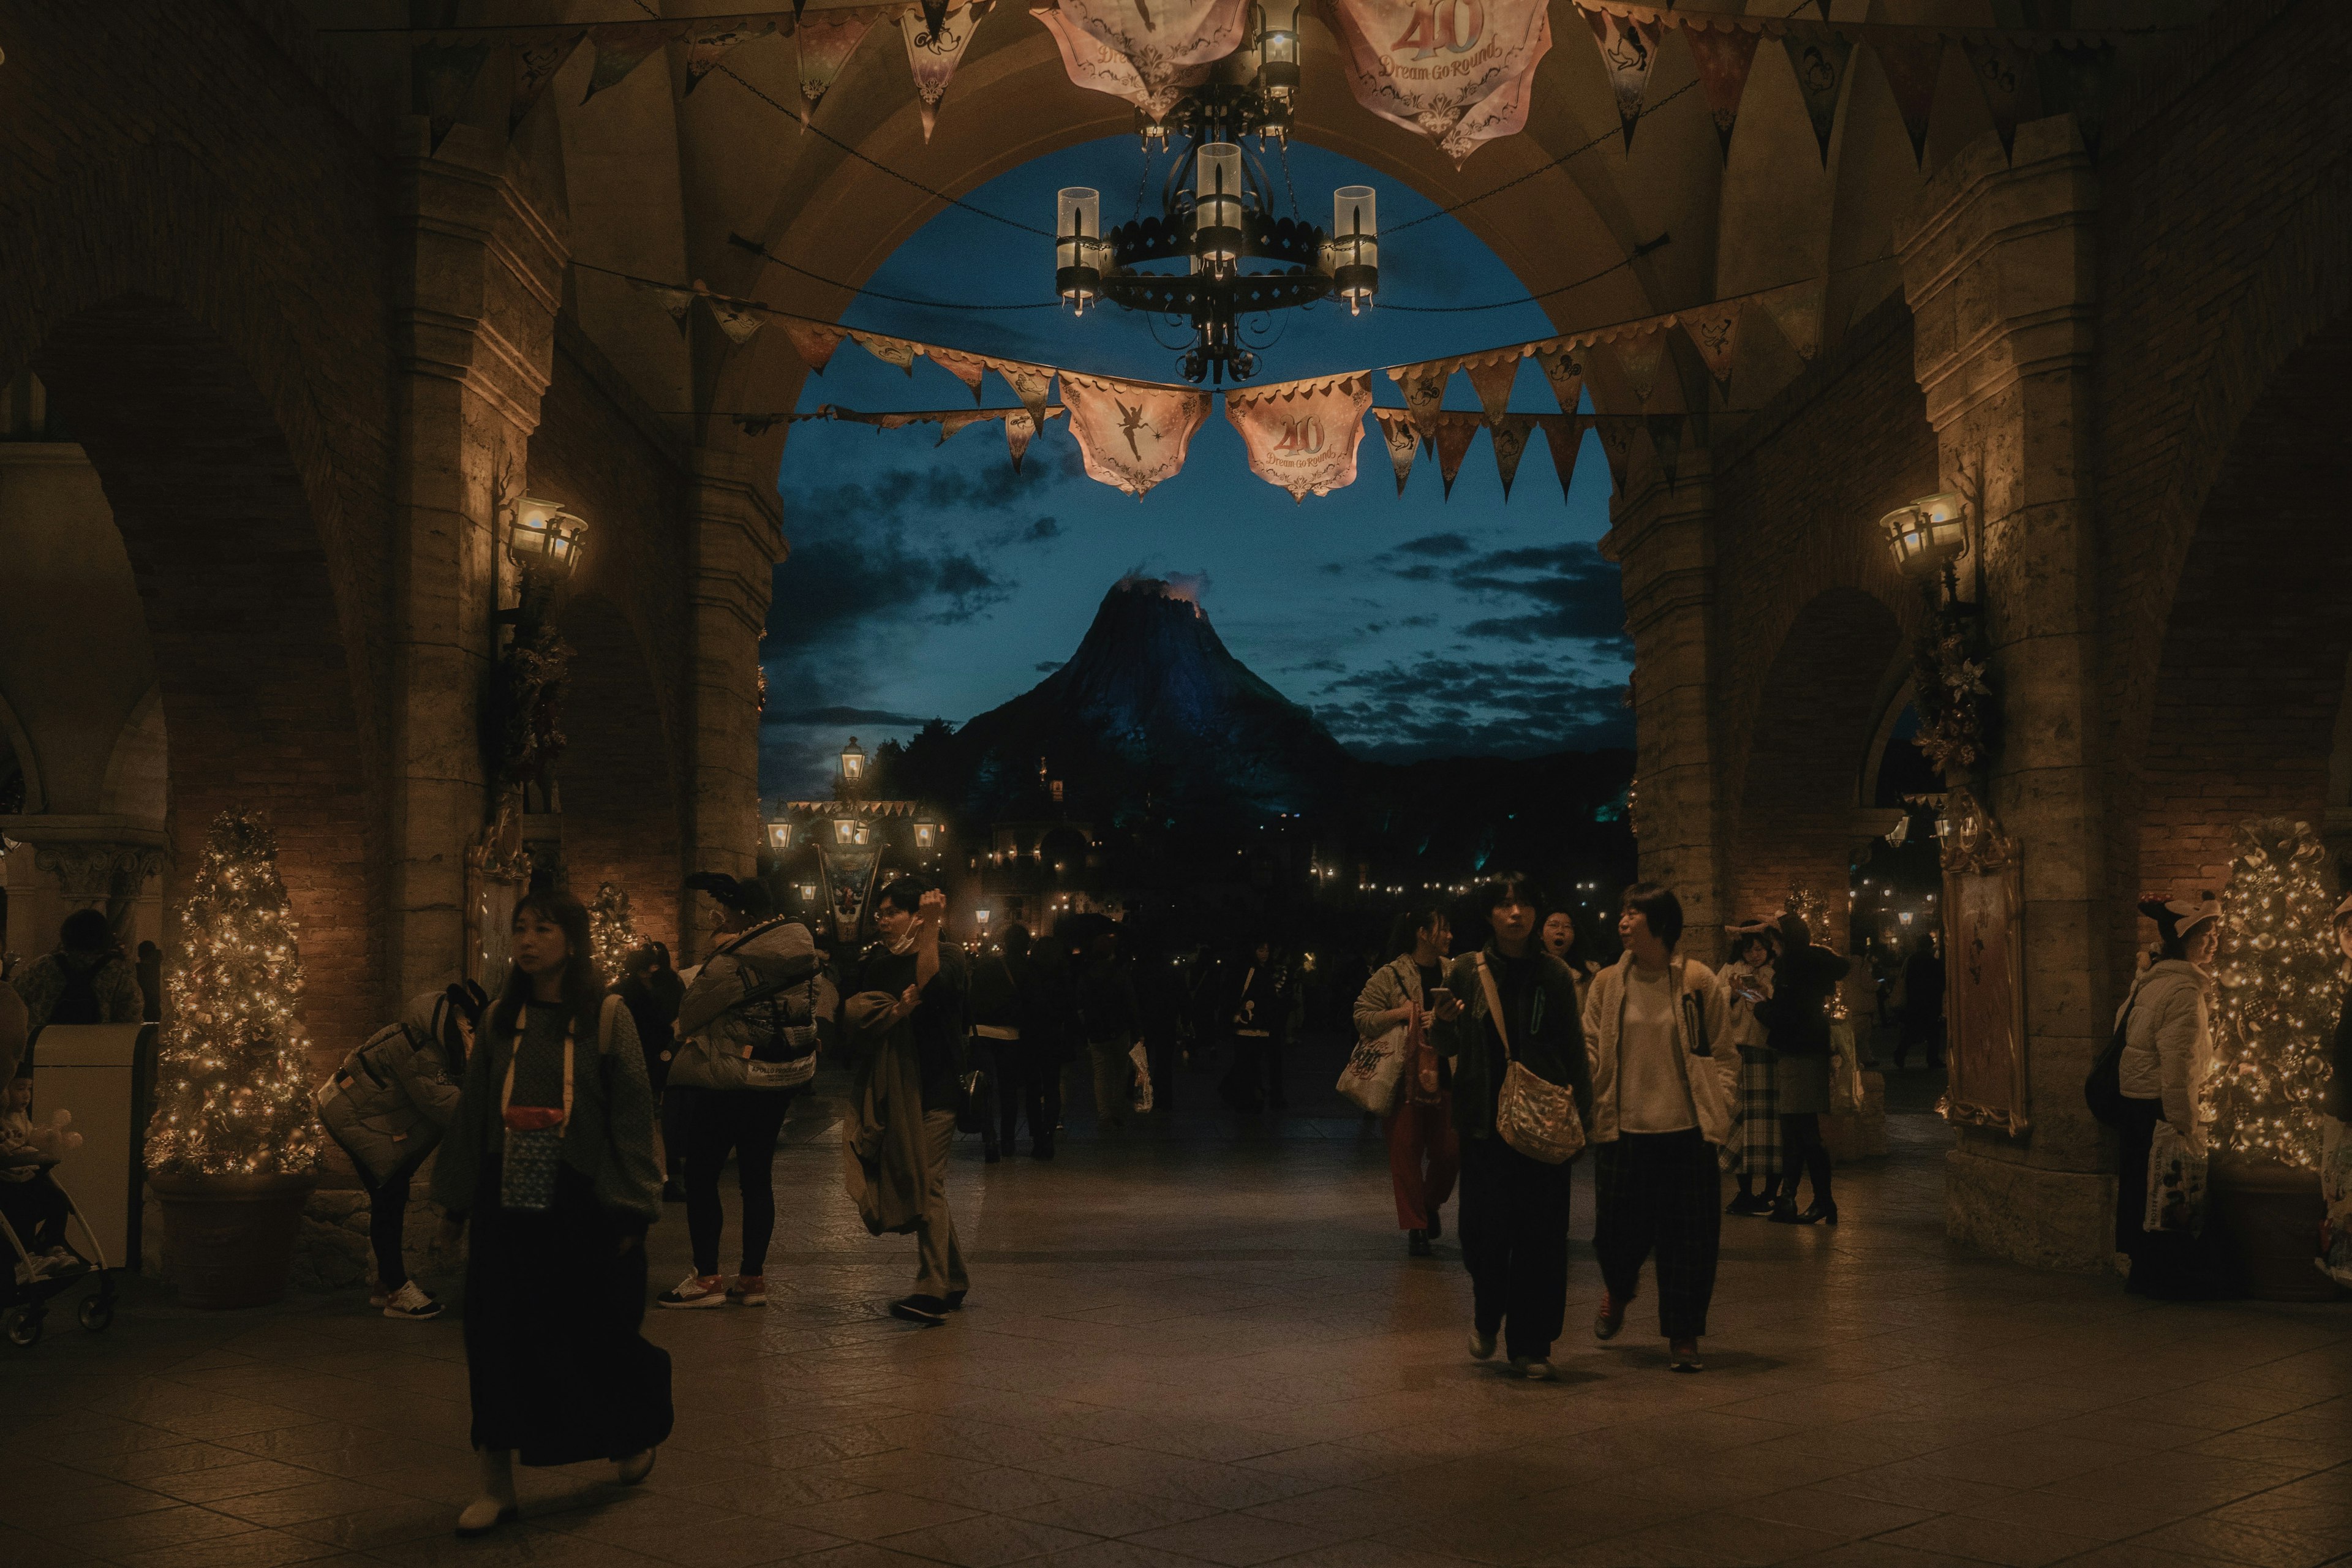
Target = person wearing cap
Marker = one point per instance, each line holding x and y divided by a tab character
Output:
747	1039
387	1105
2167	1051
1753	1152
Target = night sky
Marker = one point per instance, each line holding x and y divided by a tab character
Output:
935	582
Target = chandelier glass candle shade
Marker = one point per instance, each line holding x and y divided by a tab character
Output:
1216	212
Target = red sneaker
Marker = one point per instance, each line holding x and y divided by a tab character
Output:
748	1290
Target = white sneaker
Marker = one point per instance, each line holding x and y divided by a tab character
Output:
1482	1346
1535	1368
696	1290
411	1303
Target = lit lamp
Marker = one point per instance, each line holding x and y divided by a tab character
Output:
1277	48
1217	203
844	831
1929	536
545	538
926	835
780	835
852	762
1078	247
1355	247
982	916
808	892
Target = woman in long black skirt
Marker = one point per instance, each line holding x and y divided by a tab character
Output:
551	1160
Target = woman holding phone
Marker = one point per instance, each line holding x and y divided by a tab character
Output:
1424	1153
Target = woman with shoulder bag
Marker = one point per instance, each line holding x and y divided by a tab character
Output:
551	1160
2167	1052
1661	1113
1424	1150
747	1045
1510	1016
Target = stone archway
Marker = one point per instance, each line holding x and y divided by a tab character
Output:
1818	725
257	685
620	773
2249	681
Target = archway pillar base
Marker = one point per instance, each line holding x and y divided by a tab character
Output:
1997	267
1662	535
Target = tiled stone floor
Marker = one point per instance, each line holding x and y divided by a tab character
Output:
1199	1345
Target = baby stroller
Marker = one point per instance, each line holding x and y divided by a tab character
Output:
29	1282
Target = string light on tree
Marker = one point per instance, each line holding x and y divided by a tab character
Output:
611	931
234	1073
2276	1007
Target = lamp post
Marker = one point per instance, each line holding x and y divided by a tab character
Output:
521	736
1928	536
853	766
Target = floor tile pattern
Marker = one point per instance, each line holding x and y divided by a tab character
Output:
1201	1343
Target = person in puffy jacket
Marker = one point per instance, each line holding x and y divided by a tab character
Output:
2167	1051
747	1045
387	1105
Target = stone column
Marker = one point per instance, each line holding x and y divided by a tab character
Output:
62	864
1661	536
1998	266
738	536
480	282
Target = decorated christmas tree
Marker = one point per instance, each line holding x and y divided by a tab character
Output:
2276	1003
233	1075
611	933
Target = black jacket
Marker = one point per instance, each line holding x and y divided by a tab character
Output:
1541	1010
1796	1017
940	1024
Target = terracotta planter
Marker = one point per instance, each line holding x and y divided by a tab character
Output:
228	1241
2267	1217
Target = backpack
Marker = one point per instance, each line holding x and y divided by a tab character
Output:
2103	1090
79	1004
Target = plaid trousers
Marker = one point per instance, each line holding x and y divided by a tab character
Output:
1660	1192
1753	1149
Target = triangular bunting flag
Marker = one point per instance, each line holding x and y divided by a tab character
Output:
889	351
1629	48
934	46
737	322
935	13
623	47
1797	311
827	40
814	342
442	76
1396	429
1712	330
2005	73
1491	379
1820	61
1724	56
703	50
1911	69
1030	383
966	368
676	302
1511	432
1617	445
1640	356
956	421
1453	432
1424	386
1566	373
1666	440
1020	430
535	65
1565	435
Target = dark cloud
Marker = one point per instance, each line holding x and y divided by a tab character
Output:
839	715
1045	531
1437	544
1442	707
1420	620
1048	666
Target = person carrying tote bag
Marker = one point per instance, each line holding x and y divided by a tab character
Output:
1398	1073
1510	1014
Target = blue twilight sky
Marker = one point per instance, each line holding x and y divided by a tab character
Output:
933	582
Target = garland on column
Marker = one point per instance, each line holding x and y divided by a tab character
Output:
611	931
1958	720
2277	999
234	1075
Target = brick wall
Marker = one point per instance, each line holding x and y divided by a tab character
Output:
1812	618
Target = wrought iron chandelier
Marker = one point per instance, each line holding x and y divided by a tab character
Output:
1220	216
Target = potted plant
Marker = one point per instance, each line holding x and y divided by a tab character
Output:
233	1147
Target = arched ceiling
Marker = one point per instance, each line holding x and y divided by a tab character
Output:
657	180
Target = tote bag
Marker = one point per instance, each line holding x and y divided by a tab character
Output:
1374	1069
